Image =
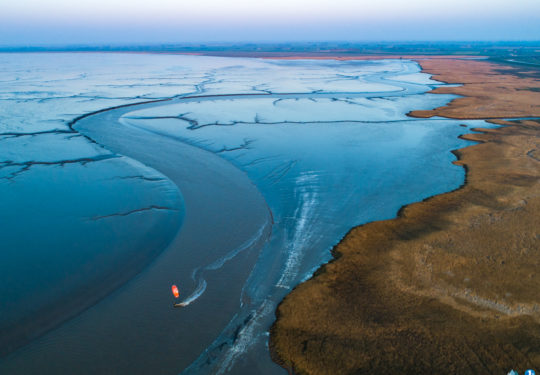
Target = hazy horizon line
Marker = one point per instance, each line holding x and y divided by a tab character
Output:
247	43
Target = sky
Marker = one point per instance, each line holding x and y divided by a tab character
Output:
38	22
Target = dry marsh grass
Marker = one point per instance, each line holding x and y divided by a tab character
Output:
451	286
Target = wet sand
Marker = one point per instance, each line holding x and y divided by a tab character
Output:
450	286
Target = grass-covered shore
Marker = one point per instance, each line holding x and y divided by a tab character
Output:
451	285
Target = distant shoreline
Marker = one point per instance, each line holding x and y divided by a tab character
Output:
265	55
511	52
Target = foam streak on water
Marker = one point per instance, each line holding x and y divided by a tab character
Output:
198	273
304	216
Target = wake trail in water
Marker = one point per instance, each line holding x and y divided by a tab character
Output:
198	273
304	215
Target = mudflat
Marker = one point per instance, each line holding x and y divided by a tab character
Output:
451	285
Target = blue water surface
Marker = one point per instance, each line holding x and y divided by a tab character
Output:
321	146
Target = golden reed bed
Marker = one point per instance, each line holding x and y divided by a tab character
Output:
451	286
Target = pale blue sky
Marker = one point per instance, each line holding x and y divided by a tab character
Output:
164	21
